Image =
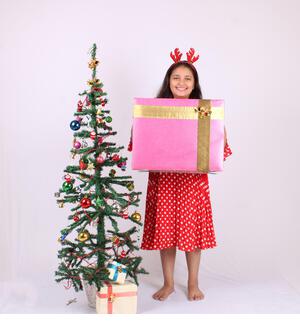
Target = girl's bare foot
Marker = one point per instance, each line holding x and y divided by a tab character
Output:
194	293
163	293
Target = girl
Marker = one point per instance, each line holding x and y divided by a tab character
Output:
178	208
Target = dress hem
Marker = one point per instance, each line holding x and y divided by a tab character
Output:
177	247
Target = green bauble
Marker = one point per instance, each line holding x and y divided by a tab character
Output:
99	201
67	186
108	119
85	159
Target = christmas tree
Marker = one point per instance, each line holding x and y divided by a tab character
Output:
96	191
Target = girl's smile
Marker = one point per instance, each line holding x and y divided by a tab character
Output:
182	82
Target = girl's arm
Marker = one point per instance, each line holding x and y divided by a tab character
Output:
130	142
227	150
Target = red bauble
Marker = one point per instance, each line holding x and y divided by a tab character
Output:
123	253
115	157
100	140
125	215
79	106
93	135
82	165
76	218
85	203
68	178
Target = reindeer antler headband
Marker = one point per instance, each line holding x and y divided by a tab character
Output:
190	55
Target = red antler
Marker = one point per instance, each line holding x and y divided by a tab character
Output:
176	56
190	56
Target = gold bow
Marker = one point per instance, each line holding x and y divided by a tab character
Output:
203	111
111	298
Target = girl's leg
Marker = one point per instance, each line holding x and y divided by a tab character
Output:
168	262
193	262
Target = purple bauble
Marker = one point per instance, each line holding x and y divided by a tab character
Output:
77	144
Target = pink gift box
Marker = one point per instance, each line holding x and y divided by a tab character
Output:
182	135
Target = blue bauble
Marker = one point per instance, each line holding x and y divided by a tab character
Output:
75	125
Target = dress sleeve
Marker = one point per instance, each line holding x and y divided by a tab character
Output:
227	151
129	148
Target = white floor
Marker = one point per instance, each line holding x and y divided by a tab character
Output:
221	296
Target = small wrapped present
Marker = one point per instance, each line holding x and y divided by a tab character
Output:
184	135
117	272
114	298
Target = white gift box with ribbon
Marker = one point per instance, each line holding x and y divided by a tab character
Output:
117	272
117	299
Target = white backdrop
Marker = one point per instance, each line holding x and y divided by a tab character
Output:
249	56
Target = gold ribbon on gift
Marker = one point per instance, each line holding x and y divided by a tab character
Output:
174	112
203	113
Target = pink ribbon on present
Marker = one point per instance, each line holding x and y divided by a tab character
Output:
111	296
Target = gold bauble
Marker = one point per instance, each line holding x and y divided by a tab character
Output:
93	63
130	186
83	177
61	204
83	236
93	81
115	239
136	216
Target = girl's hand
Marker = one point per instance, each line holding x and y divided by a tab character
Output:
225	137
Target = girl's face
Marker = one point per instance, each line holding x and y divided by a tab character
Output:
182	82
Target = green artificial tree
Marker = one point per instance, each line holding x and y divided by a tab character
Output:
96	191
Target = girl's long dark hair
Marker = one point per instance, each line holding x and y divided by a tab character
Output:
165	91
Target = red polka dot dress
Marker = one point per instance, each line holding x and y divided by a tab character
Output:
178	211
